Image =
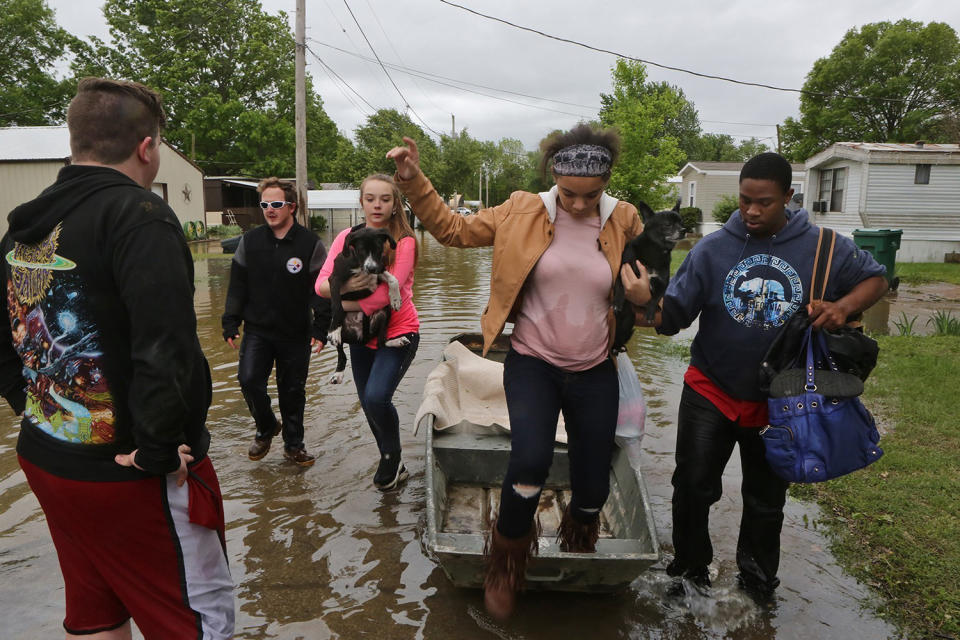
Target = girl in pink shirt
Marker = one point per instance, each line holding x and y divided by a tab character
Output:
378	371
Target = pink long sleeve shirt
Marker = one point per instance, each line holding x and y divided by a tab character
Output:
405	319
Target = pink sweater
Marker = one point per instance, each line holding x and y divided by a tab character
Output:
404	320
563	316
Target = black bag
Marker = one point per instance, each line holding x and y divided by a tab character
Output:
818	427
852	350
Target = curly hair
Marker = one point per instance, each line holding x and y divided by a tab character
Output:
581	134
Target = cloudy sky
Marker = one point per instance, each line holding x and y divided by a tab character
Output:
429	45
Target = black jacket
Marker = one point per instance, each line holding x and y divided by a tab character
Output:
100	352
272	286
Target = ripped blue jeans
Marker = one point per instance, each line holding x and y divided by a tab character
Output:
537	392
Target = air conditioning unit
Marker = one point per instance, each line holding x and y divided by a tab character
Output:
824	206
817	206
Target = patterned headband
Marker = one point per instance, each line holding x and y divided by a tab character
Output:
582	160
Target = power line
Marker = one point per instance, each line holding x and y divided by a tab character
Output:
424	77
397	53
328	67
382	66
665	66
413	71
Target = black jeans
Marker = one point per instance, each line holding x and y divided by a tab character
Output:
536	394
257	356
705	440
377	373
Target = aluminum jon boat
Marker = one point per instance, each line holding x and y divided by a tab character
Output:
465	464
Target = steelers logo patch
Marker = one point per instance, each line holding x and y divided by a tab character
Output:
294	265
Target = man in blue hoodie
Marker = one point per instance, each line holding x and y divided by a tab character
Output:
744	282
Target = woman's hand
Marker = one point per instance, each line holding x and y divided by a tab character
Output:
636	288
360	282
407	159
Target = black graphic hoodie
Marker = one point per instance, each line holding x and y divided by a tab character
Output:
98	346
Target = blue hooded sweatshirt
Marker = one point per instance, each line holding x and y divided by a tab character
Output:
745	288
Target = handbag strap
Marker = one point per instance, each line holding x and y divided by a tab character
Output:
821	265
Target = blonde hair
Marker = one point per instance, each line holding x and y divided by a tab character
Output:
398	225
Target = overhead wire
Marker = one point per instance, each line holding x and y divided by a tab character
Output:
347	84
412	71
666	66
387	73
386	37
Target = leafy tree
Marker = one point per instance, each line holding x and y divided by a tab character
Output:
31	43
226	72
885	82
683	124
381	132
459	168
649	153
510	169
751	147
715	147
720	147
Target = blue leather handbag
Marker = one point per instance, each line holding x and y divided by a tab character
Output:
814	436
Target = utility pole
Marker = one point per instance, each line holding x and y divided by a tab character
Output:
480	187
453	127
778	140
301	113
488	184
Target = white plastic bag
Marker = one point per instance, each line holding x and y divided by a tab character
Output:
633	409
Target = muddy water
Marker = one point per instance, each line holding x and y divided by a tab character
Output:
318	553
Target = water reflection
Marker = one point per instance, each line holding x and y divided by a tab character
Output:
318	553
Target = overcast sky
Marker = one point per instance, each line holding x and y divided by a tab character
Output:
764	41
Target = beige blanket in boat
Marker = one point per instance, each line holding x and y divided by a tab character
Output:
466	387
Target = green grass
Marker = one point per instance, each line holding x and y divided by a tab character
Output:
924	272
676	258
896	524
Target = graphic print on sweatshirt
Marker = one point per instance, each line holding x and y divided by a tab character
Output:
54	334
762	291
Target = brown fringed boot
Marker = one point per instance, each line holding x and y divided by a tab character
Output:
506	565
575	537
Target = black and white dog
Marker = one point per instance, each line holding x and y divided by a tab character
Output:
363	252
661	231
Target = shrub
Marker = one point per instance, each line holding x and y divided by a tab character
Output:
318	223
224	231
691	217
724	207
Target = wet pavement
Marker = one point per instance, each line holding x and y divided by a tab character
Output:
318	553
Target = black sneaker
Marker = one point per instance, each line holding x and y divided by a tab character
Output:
390	472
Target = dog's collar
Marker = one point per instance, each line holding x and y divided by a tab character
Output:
607	204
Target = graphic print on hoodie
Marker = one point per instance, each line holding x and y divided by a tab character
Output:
67	394
762	291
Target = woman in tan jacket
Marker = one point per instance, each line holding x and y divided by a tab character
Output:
555	258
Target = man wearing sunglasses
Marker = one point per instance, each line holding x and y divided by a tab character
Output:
271	294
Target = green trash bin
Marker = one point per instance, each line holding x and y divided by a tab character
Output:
883	245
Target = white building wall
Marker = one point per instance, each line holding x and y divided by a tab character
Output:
181	178
21	182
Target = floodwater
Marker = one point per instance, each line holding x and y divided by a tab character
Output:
318	553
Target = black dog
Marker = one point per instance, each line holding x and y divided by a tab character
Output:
363	250
661	231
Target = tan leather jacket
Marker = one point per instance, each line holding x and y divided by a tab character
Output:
520	230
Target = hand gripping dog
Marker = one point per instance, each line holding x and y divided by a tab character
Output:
661	231
363	252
